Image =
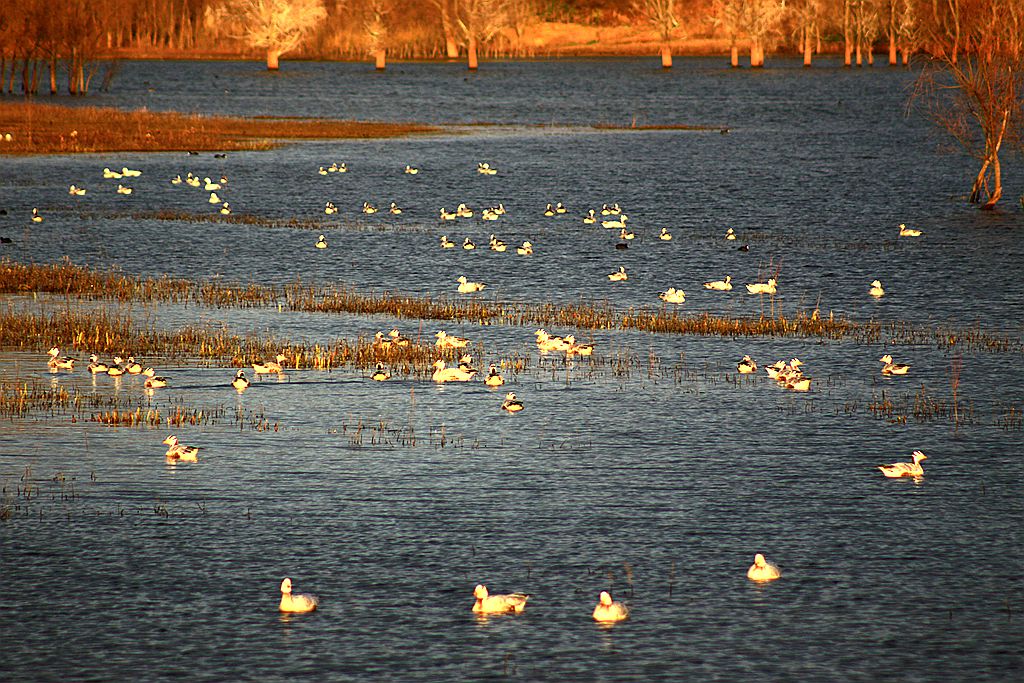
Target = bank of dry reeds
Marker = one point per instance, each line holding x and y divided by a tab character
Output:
68	279
46	128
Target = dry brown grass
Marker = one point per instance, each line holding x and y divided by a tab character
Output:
68	279
45	128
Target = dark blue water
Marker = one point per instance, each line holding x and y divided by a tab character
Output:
650	470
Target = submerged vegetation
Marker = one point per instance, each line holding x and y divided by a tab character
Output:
43	128
68	279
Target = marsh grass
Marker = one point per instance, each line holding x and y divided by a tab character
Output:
45	129
68	279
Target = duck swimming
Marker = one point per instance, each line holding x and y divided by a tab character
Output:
494	378
720	285
525	250
762	287
746	366
890	368
905	469
296	602
665	235
177	451
495	604
446	243
511	404
380	374
443	374
876	289
467	287
608	610
321	242
619	275
908	232
447	341
240	382
673	296
762	570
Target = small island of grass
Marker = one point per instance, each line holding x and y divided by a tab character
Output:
51	129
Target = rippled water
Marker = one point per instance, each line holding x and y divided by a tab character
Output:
650	469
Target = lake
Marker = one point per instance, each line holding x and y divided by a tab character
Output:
652	469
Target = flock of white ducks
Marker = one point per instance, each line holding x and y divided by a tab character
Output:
788	375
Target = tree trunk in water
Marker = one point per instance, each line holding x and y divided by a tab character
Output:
847	42
666	56
997	191
53	75
807	48
906	56
273	59
860	57
892	47
756	54
734	58
871	55
381	59
450	45
472	59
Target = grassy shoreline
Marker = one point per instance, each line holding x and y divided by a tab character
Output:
37	128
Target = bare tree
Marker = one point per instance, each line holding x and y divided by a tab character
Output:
763	19
974	86
277	26
479	21
662	14
729	16
808	16
448	11
375	23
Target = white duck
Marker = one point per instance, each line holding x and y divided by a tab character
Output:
619	222
673	296
443	374
908	232
76	190
762	570
525	250
609	610
121	189
720	285
763	287
905	469
240	382
448	341
494	378
511	404
619	275
467	287
876	289
380	374
321	242
746	366
493	604
446	243
177	451
296	602
665	235
890	368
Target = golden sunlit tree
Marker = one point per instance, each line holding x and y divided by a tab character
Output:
762	20
375	22
277	26
479	21
729	16
448	11
973	87
662	15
